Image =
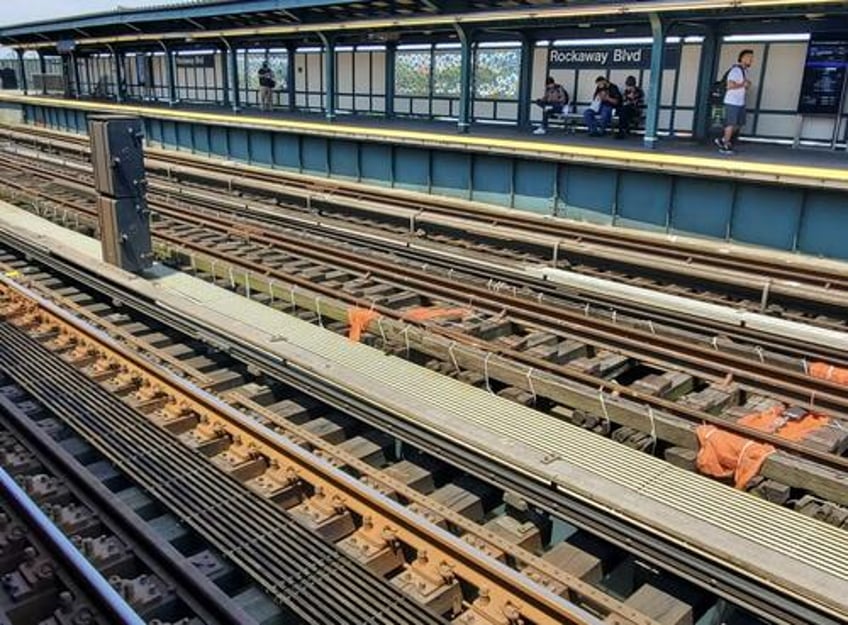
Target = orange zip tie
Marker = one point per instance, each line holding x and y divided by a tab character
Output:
358	320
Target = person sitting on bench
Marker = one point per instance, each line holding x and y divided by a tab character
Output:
631	107
552	103
607	98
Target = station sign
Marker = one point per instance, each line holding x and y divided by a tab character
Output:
823	85
609	57
195	60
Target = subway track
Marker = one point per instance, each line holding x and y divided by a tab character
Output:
254	260
139	572
231	454
743	280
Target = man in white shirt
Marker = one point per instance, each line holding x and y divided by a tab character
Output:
737	85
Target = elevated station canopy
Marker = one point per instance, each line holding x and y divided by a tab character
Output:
210	21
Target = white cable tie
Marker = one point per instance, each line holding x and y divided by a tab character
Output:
193	263
651	327
247	284
812	400
653	429
759	352
486	372
232	277
382	332
490	285
530	384
453	357
614	315
604	408
806	366
405	333
586	310
291	297
540	296
715	343
271	289
318	310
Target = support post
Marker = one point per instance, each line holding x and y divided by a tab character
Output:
525	81
22	66
172	75
465	80
76	75
389	87
233	57
291	76
329	76
225	77
652	114
706	77
42	67
119	75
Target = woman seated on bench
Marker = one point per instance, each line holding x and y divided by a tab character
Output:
552	103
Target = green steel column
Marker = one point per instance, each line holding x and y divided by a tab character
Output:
119	75
525	81
291	76
706	77
652	114
233	56
42	67
389	89
329	76
225	77
22	65
172	76
465	80
76	75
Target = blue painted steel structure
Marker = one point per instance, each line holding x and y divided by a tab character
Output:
800	218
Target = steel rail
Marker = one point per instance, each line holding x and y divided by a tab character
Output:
715	575
789	386
273	549
107	597
205	598
614	240
537	603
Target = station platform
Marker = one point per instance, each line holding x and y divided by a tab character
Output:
797	554
809	166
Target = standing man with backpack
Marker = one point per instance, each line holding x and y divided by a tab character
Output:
736	86
266	86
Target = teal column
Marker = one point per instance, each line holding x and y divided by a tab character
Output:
525	81
291	78
172	76
329	76
233	58
76	75
42	67
389	89
119	75
652	114
706	77
465	80
225	76
22	66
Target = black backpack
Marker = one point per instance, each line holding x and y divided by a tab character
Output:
719	88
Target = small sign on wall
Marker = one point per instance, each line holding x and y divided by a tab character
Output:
609	57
